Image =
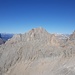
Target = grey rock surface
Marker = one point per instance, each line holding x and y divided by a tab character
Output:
37	52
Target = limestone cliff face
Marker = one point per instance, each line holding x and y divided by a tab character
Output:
37	52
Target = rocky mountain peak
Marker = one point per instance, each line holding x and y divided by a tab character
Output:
39	30
35	52
35	34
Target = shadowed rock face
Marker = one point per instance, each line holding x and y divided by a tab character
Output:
37	52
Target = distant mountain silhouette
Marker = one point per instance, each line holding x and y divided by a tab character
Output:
4	37
0	36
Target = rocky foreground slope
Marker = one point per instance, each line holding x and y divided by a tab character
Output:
38	52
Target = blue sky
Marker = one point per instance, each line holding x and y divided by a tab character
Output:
19	16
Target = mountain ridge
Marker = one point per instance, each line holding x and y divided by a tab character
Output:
37	52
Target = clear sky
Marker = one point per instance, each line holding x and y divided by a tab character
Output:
19	16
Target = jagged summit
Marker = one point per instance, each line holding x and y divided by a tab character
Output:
39	34
37	31
35	35
40	29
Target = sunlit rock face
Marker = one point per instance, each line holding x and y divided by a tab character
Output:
38	52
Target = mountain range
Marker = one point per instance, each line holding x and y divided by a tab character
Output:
38	52
4	37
